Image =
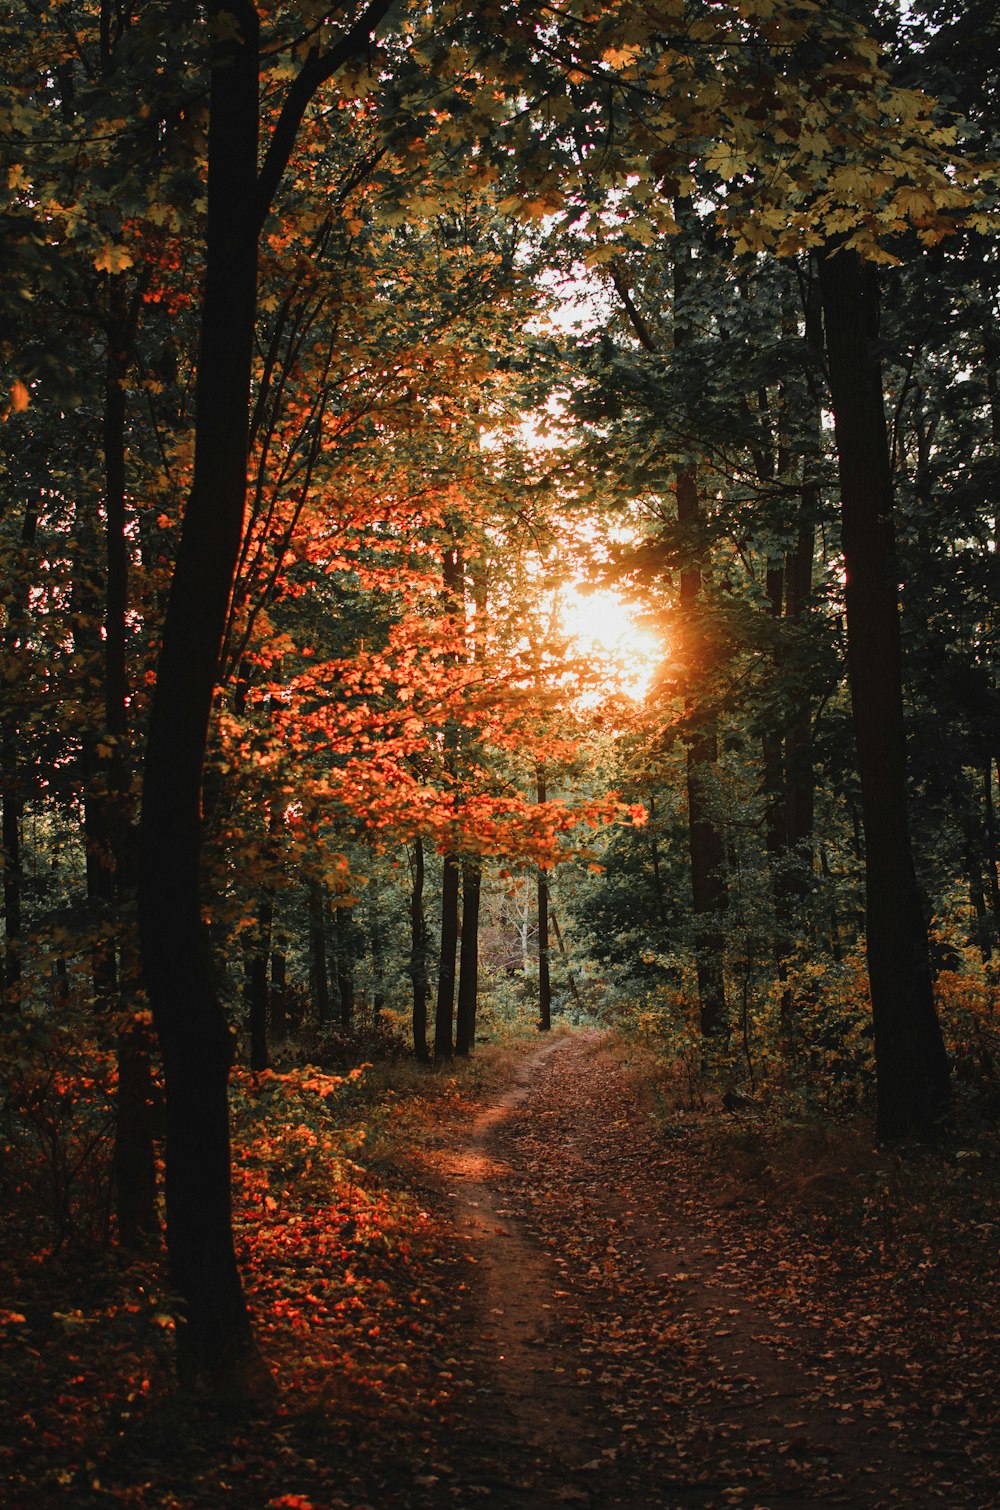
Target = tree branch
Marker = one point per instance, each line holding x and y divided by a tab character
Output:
315	71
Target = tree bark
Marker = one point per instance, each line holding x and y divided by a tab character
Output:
912	1071
257	982
445	1006
215	1338
542	898
345	965
12	879
468	974
319	975
705	842
418	954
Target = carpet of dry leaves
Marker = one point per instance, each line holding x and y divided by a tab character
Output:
541	1284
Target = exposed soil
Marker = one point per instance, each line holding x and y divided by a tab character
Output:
543	1297
633	1344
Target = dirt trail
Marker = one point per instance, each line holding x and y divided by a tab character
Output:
621	1355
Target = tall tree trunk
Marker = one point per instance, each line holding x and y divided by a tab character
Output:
706	847
136	1208
561	944
378	952
257	1002
12	879
652	829
418	954
343	954
135	1151
468	974
992	843
453	600
319	975
445	1006
705	843
215	1338
911	1065
13	796
542	898
773	739
800	784
278	996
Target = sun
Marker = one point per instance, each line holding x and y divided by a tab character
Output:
603	625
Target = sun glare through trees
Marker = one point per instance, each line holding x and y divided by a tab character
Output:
601	624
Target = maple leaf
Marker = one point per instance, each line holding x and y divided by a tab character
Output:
113	258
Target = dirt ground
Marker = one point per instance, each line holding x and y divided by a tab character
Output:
636	1339
539	1294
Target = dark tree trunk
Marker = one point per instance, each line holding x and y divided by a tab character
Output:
773	741
418	954
542	898
705	843
215	1339
345	965
135	1157
378	952
544	973
800	784
279	991
706	847
319	975
911	1065
12	879
13	797
654	848
257	1003
445	1007
468	974
992	846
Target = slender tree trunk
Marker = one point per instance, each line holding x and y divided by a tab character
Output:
418	954
445	1007
773	742
911	1066
279	990
800	777
13	797
560	942
12	879
378	953
468	975
319	975
800	784
654	849
257	1003
135	1153
542	897
992	843
706	847
215	1337
345	965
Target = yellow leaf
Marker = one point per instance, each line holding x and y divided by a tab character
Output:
112	259
727	161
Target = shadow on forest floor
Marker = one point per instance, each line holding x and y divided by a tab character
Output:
526	1293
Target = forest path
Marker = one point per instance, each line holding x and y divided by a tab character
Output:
624	1351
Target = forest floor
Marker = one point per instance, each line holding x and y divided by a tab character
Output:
547	1288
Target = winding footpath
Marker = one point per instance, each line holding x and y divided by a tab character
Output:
627	1351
